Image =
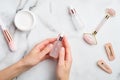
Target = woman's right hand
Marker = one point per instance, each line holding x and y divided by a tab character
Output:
64	61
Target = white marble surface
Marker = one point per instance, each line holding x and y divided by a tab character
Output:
54	13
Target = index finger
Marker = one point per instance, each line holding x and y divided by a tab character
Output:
43	44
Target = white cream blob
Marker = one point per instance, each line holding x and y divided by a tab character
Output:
24	20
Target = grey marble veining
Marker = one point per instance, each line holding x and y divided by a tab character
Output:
52	18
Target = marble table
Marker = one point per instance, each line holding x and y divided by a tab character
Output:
52	18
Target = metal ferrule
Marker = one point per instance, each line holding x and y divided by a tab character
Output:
94	33
107	16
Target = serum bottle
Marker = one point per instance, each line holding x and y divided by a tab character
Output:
56	47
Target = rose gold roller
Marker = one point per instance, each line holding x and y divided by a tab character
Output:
90	37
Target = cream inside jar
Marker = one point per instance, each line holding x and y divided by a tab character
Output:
24	20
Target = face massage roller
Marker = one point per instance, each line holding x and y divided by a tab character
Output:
90	37
57	45
8	37
78	23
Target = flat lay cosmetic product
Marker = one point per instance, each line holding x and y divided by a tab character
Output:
25	20
90	37
78	23
109	51
57	46
8	37
104	66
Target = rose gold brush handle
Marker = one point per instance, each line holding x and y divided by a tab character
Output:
9	40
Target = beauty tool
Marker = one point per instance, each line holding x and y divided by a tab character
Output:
90	37
109	51
57	45
104	66
78	23
8	37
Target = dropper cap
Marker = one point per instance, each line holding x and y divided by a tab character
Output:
60	37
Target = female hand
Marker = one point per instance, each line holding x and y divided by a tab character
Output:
36	55
39	52
64	61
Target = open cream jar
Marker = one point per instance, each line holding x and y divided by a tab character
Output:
25	20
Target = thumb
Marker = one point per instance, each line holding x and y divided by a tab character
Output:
61	56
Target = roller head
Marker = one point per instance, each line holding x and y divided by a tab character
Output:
111	12
89	38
